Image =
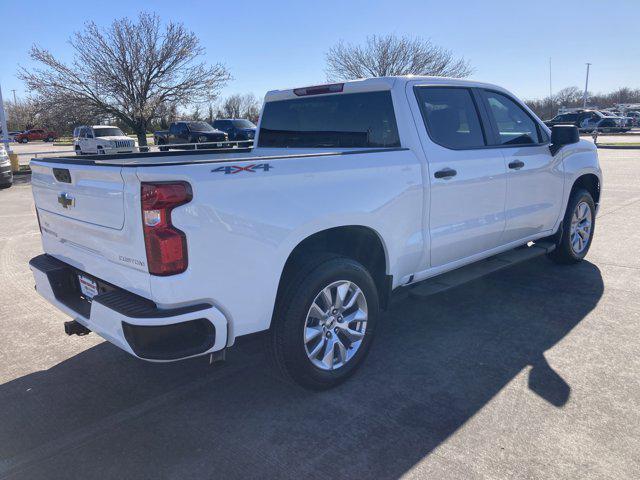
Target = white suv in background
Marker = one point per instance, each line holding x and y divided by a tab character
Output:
101	139
6	175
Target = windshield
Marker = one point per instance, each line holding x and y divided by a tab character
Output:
200	127
108	132
242	123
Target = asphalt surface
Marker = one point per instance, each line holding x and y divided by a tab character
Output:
532	372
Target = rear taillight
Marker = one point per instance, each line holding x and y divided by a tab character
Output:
166	245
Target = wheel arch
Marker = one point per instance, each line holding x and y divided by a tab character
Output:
358	242
591	183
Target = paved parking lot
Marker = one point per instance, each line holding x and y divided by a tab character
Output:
532	372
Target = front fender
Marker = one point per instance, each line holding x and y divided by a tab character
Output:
578	159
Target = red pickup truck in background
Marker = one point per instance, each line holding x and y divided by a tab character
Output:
36	134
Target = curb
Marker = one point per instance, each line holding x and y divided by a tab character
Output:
620	147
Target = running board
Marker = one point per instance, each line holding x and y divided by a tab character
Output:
479	269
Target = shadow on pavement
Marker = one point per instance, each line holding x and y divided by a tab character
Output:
436	362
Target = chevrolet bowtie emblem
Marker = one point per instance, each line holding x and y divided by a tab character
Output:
66	200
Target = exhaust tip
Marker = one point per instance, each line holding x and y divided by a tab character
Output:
75	328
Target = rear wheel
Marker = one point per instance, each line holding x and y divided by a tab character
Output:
577	229
78	150
324	322
49	139
24	140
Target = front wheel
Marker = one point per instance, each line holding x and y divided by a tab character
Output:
577	229
324	322
24	140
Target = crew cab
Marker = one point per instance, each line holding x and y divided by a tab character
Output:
183	135
240	130
101	140
353	190
35	134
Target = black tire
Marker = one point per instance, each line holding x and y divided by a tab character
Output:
49	139
78	150
564	253
101	151
285	342
24	140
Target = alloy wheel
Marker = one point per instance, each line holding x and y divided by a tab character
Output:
581	227
335	325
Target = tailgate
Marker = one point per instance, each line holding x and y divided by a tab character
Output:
90	218
86	193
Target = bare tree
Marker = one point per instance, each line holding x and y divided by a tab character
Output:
240	106
231	107
129	71
251	107
22	114
391	55
568	97
50	113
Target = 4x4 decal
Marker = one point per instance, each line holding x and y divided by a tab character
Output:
248	168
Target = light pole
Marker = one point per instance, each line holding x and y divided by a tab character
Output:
586	86
3	125
14	97
550	90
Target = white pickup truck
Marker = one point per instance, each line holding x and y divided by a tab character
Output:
353	190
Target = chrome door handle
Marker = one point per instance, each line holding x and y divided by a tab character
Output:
516	165
445	173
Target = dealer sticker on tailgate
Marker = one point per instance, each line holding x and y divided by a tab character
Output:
88	287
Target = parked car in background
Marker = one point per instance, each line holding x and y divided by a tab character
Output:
11	135
238	129
353	190
6	176
595	119
589	120
102	140
189	132
35	134
635	118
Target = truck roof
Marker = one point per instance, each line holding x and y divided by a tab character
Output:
377	84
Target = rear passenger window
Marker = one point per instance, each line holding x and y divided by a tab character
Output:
347	120
515	126
451	117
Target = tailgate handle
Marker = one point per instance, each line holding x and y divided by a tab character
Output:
62	175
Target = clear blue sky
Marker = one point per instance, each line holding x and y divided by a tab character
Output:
280	44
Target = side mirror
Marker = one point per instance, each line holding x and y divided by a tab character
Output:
562	135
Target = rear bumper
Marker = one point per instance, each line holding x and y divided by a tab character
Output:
129	321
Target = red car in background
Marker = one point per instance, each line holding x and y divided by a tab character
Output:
36	134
